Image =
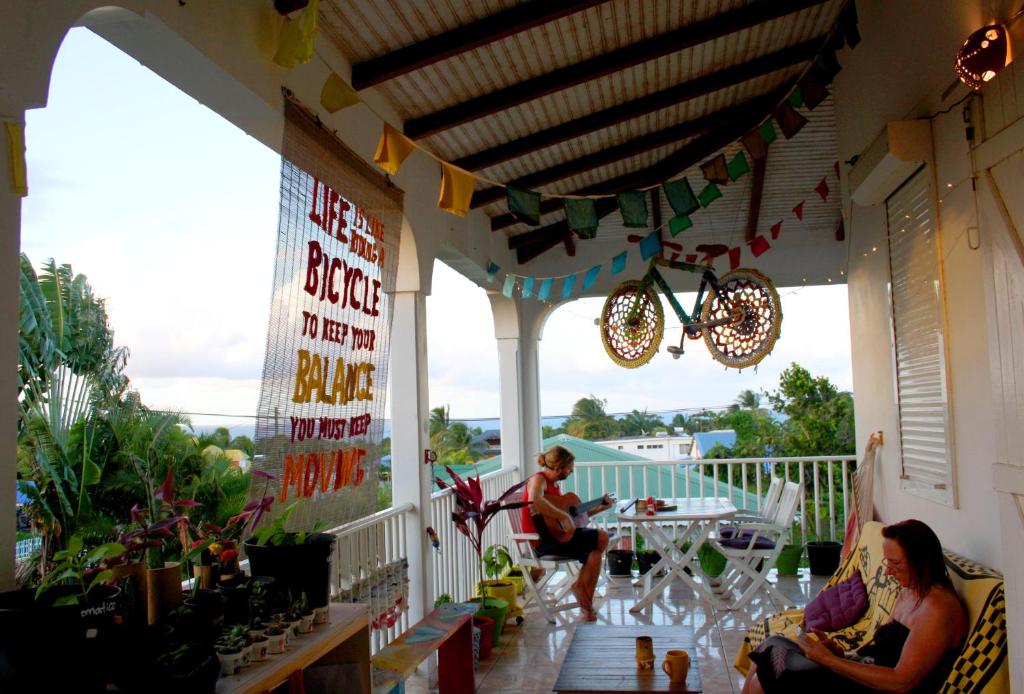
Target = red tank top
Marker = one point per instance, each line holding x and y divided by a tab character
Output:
551	489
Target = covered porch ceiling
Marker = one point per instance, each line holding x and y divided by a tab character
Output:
596	97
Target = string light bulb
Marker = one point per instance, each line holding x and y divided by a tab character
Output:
982	55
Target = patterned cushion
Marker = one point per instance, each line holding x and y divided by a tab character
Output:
982	667
837	607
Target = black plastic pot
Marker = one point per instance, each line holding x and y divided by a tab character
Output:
620	562
32	632
204	616
823	557
646	559
304	568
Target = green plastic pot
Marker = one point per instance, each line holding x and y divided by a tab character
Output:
712	562
789	560
495	609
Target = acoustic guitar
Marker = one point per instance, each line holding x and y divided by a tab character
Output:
559	529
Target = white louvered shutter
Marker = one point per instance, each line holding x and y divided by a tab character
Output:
918	311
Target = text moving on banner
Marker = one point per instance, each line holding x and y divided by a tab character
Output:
322	401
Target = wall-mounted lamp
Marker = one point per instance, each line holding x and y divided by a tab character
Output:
984	53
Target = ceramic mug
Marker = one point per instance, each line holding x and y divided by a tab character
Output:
676	666
644	653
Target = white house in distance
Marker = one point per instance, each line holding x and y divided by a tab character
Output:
660	446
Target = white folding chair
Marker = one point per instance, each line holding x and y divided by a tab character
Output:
752	552
547	592
765	515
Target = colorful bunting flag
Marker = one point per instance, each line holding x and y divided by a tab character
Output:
492	270
738	166
393	149
799	210
456	189
633	206
767	131
509	286
835	167
813	90
827	66
848	25
16	157
524	205
650	245
297	38
590	278
776	230
691	258
716	170
796	97
680	196
790	121
337	94
545	288
527	287
619	263
581	215
755	145
679	224
734	257
567	284
822	188
841	230
758	245
710	193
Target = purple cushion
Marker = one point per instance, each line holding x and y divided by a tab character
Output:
742	541
839	606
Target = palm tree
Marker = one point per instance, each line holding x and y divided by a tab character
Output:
439	421
589	419
641	423
748	400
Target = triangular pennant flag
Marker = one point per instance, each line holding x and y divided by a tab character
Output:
734	257
796	97
822	189
337	94
633	206
680	196
755	145
835	167
776	230
567	286
509	286
767	131
738	166
799	210
679	224
492	270
527	287
650	245
298	36
590	278
758	245
789	120
715	170
848	24
827	66
545	288
691	258
813	90
841	230
16	157
581	215
456	189
524	205
710	193
392	150
619	262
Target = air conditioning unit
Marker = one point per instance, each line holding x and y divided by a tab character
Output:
900	150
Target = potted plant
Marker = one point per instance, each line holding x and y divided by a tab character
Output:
471	516
712	562
188	668
515	574
620	562
823	555
790	555
497	560
645	558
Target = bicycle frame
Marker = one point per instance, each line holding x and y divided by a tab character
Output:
708	281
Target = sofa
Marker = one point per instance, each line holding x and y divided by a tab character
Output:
983	665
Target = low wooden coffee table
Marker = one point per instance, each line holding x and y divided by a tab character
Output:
602	658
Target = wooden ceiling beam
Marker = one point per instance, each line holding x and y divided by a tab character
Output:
720	25
625	150
541	240
695	88
462	39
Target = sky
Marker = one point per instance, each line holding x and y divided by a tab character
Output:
171	212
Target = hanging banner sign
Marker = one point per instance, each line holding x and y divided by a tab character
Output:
322	403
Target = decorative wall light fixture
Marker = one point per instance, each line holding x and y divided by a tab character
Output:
984	53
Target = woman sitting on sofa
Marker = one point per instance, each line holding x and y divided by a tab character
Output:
913	652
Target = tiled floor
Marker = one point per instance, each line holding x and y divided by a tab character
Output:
530	655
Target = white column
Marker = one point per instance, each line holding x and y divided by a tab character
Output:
409	415
510	407
10	234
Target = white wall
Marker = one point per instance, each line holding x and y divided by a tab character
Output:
663	448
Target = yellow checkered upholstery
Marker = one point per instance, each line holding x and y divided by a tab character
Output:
982	667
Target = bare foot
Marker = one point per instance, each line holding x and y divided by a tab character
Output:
583	600
589	615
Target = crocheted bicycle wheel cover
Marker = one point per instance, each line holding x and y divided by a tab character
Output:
753	337
631	343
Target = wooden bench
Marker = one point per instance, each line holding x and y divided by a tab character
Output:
447	630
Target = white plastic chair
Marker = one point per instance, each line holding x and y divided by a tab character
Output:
547	593
765	515
753	552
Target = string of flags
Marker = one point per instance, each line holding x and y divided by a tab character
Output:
652	244
296	46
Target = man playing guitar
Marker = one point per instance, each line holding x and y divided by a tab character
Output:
586	545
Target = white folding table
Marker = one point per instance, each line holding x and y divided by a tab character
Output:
701	515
